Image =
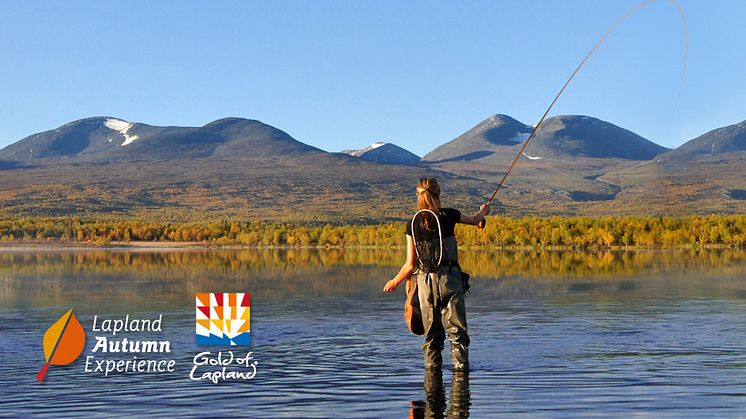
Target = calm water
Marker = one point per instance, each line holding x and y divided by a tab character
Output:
553	334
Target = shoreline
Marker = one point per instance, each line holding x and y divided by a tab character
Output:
501	233
20	245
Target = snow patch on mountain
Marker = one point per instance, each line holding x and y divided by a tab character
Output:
375	146
117	124
358	153
122	127
387	153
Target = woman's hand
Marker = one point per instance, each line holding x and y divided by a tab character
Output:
390	286
484	209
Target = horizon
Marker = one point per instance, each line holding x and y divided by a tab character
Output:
344	150
343	76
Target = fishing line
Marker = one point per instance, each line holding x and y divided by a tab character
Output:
629	13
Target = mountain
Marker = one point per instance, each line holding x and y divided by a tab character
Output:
237	168
500	137
491	135
111	139
717	144
385	153
230	168
584	136
575	165
703	175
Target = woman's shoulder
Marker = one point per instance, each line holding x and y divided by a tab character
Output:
451	212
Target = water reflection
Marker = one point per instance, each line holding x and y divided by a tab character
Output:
557	333
144	278
435	404
191	263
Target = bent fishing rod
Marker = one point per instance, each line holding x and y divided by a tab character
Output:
629	13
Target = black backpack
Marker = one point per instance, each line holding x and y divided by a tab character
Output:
428	243
428	240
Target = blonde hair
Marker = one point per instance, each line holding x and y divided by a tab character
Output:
428	197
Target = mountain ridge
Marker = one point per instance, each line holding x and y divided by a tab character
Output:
104	138
500	137
237	167
727	139
386	153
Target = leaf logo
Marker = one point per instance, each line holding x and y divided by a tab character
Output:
63	342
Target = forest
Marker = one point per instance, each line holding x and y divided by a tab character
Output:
499	233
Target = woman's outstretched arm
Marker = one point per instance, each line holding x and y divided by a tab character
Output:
476	218
406	269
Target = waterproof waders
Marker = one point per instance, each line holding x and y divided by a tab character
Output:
443	307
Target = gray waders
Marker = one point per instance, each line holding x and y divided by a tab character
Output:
443	309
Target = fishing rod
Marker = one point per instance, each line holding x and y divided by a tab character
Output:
629	13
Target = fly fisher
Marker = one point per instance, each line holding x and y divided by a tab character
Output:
432	261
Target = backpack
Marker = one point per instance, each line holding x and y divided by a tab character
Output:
428	244
426	233
428	240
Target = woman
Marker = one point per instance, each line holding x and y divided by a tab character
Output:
441	293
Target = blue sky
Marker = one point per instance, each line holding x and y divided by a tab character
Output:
343	74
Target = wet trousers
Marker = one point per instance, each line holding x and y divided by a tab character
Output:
443	308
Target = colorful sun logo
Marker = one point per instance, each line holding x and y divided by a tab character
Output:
223	318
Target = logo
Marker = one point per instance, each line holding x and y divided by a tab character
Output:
63	342
223	318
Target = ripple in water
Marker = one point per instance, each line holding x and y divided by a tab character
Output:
330	344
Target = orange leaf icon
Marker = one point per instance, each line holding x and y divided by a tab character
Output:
63	342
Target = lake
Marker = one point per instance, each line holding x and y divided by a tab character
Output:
553	334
